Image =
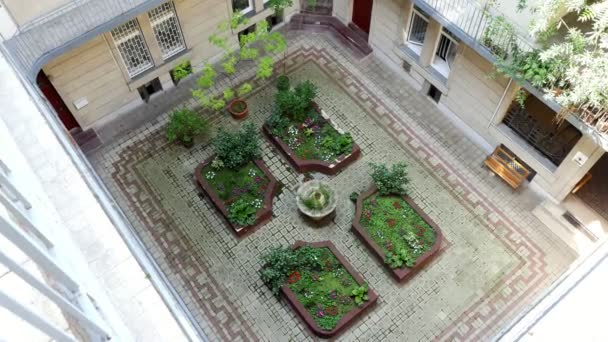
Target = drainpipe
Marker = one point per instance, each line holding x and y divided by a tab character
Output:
502	99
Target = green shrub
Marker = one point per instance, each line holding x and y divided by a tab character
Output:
360	294
280	262
391	181
185	124
283	83
242	212
297	102
277	123
181	71
238	148
338	144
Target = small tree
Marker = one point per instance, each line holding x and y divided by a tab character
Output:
238	148
393	181
231	59
184	125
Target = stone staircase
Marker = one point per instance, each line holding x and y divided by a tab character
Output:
351	35
87	140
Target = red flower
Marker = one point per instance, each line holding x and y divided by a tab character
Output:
396	205
294	277
331	310
391	222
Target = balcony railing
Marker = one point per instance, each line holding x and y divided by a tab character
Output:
481	27
47	36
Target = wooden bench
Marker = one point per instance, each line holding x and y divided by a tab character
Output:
504	164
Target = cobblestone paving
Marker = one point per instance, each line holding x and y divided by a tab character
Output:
497	258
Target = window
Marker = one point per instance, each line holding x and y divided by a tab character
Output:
445	54
434	93
244	6
132	47
418	26
167	30
146	90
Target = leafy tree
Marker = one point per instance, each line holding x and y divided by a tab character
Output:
570	65
231	59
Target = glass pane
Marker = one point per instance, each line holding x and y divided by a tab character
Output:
167	30
132	47
417	29
239	5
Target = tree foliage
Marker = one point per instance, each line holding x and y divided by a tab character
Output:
570	65
256	47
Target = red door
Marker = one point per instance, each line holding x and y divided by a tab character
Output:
362	14
56	101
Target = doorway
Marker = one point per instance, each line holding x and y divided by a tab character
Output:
594	191
362	14
51	94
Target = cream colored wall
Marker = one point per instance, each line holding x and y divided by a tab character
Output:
90	72
343	9
472	95
95	71
386	27
26	10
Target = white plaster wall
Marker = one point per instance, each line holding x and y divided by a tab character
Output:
26	10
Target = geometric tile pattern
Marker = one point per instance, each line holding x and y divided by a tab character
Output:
499	260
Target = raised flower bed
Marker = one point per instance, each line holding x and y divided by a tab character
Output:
399	233
253	184
237	181
319	284
306	136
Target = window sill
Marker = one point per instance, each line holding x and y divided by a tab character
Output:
406	53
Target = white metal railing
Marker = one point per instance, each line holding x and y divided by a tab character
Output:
20	224
66	25
483	25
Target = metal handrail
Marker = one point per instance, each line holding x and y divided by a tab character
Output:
476	21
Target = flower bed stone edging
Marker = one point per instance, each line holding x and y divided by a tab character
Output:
313	165
404	273
347	320
264	214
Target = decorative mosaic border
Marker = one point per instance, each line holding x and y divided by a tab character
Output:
500	301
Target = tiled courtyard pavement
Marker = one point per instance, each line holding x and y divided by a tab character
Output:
498	260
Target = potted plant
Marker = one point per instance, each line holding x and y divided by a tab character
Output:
316	199
231	97
184	125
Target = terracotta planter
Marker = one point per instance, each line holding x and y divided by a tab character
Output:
403	273
312	165
263	216
347	320
238	115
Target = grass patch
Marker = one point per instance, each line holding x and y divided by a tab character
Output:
326	291
242	190
396	227
315	138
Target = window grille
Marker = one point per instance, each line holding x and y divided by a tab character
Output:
417	29
132	47
167	30
243	6
447	49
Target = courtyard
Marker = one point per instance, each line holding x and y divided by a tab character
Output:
496	258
